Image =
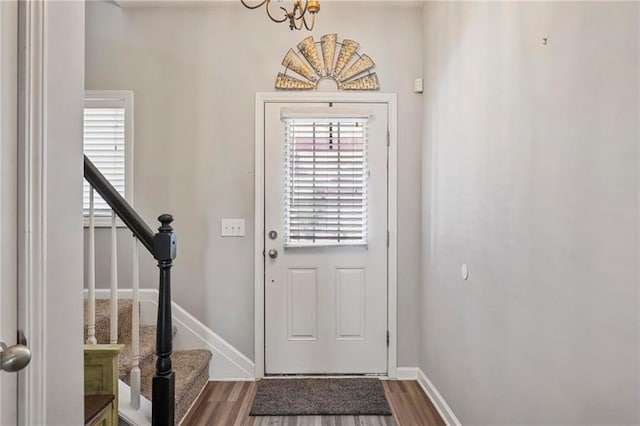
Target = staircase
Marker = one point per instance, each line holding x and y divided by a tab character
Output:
170	384
191	367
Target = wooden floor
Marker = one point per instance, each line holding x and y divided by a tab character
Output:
229	403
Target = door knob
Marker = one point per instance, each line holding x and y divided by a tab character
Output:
273	253
14	358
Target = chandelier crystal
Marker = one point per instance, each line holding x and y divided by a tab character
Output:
297	16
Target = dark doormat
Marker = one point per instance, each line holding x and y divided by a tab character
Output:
320	397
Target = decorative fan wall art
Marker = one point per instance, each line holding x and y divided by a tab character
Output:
350	70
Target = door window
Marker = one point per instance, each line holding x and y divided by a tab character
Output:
326	179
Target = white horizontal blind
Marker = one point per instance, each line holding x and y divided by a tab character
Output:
104	144
326	179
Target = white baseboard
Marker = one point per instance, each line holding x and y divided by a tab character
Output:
227	362
414	373
131	416
407	373
438	401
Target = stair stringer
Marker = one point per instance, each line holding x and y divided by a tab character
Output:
227	363
130	416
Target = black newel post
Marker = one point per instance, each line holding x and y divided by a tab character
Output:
163	397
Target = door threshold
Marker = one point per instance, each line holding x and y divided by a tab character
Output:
326	376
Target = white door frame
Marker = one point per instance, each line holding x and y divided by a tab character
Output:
262	98
51	73
32	202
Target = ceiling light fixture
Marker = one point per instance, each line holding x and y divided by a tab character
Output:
295	16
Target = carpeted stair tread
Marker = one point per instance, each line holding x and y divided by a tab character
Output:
191	368
103	325
147	351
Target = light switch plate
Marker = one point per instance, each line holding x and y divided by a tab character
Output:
232	228
418	85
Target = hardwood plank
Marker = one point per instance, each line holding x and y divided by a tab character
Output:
220	391
238	395
405	412
268	421
328	421
229	403
410	405
223	414
236	391
419	399
198	409
245	405
209	409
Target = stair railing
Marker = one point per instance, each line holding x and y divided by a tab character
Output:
162	245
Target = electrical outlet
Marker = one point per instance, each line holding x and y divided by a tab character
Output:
239	227
232	228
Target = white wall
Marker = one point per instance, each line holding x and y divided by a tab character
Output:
194	73
531	178
8	198
64	75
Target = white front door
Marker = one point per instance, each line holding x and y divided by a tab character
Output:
8	201
326	238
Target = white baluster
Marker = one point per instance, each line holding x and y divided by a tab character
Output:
114	280
91	303
135	332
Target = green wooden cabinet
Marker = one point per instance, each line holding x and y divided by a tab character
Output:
101	384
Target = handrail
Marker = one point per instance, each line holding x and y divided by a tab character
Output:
162	245
117	202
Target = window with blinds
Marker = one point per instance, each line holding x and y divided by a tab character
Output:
326	179
105	140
